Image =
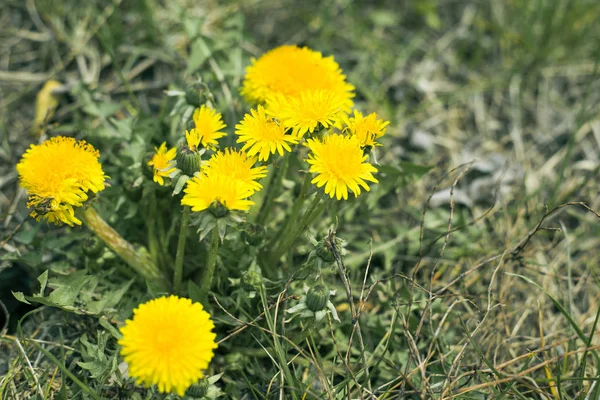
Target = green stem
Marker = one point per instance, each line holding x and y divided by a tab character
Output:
272	189
290	237
140	262
209	268
178	274
293	217
151	222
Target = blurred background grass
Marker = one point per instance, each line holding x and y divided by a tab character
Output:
507	91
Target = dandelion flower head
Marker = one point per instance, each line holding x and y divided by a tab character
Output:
366	129
237	166
340	164
290	70
163	163
168	343
262	135
310	111
208	124
202	191
57	175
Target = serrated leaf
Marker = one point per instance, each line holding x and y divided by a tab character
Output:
68	289
43	280
109	299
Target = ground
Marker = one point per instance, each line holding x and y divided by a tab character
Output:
472	263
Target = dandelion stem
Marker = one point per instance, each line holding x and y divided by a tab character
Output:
293	217
140	262
209	268
288	238
178	274
272	190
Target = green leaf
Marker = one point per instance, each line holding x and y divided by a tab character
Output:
68	289
194	292
21	297
109	299
180	184
43	280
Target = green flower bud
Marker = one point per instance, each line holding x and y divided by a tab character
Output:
251	280
197	94
188	160
93	247
148	170
218	209
253	234
324	250
133	193
199	389
317	298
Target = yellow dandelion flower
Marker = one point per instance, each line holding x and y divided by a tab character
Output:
262	135
202	191
366	129
308	112
207	126
168	343
290	70
163	163
340	164
235	165
57	175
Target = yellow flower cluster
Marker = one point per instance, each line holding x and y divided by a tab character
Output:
304	94
207	129
58	174
163	163
229	178
168	343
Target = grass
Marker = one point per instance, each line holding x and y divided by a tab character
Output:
469	272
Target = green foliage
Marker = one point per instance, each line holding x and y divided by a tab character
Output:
452	280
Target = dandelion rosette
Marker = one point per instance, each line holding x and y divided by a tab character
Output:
263	135
57	175
202	191
237	166
168	343
311	111
163	163
340	164
207	129
366	129
290	70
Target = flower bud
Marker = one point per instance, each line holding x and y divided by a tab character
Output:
317	298
197	94
199	389
188	161
251	280
218	209
148	170
133	193
253	234
325	251
93	247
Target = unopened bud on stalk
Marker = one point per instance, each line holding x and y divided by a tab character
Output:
148	170
317	298
197	94
325	251
218	210
188	161
93	247
199	389
253	234
251	280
